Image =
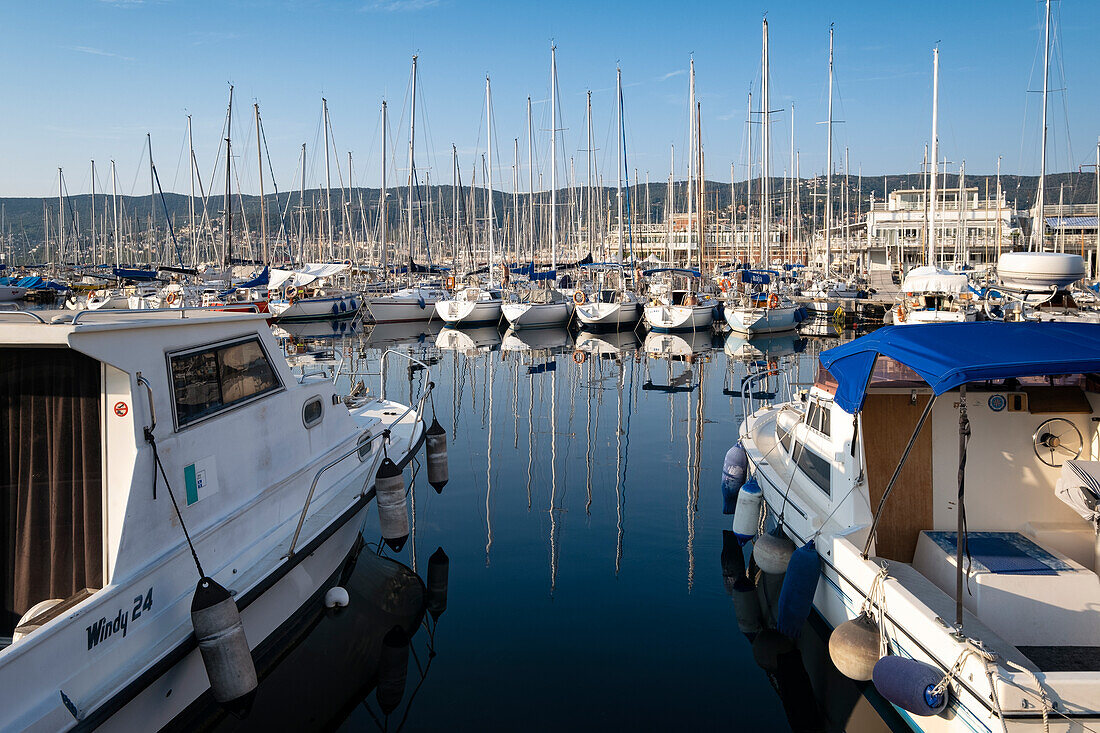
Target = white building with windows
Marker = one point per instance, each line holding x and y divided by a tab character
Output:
969	228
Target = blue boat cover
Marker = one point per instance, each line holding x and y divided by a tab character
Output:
755	277
133	274
680	270
947	355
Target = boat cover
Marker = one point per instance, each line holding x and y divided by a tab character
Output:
929	279
946	355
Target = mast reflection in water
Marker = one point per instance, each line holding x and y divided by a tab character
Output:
582	524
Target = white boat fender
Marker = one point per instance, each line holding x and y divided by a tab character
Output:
393	514
799	586
438	569
746	518
733	561
911	685
734	468
854	647
224	648
772	551
435	447
337	597
393	669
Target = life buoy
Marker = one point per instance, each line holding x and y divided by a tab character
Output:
291	293
451	282
773	367
171	298
725	284
579	298
899	314
579	356
773	301
92	295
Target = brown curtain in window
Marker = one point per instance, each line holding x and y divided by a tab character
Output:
51	541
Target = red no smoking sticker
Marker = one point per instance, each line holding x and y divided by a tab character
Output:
121	409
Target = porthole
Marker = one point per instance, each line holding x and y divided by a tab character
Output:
312	412
366	446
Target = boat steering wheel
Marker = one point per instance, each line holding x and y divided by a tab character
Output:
1056	441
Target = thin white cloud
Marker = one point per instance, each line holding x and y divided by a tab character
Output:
669	75
400	6
100	52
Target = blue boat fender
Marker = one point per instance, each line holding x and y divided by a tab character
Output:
746	517
733	476
799	585
335	310
910	684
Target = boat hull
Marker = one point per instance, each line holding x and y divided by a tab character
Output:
608	314
395	310
679	317
537	315
9	293
309	309
468	313
762	320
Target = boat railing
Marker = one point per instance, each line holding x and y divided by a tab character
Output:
29	314
419	408
750	396
236	308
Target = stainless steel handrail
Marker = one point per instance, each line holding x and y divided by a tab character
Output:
237	308
382	367
746	397
149	393
29	314
356	449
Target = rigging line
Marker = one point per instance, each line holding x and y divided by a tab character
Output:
133	186
179	159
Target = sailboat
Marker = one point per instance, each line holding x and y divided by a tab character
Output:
545	305
750	313
416	302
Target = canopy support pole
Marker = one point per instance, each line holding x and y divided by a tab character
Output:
960	538
897	472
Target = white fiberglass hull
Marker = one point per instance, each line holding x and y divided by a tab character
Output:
396	310
679	317
762	320
608	314
467	312
8	293
537	315
933	316
305	309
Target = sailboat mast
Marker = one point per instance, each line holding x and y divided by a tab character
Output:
382	194
553	157
93	216
530	183
454	202
1037	232
691	161
114	198
260	169
829	166
489	175
191	201
328	179
152	200
302	208
619	166
935	155
515	196
591	222
765	151
60	218
227	235
412	164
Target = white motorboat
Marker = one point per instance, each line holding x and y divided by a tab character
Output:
933	295
471	306
679	303
167	454
537	307
865	474
416	303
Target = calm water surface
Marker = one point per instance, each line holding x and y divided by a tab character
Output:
584	529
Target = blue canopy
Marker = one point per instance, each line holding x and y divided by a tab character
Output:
947	355
756	277
135	274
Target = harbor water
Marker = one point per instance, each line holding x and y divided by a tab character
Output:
583	527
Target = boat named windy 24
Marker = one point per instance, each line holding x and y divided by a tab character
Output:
911	438
177	499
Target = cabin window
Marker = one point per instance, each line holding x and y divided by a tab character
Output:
51	482
819	418
814	466
366	446
784	437
312	412
211	379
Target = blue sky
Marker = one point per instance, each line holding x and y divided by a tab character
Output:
88	78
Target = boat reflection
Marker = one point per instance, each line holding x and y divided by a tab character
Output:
684	346
766	347
549	340
608	344
325	329
469	340
320	671
388	335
